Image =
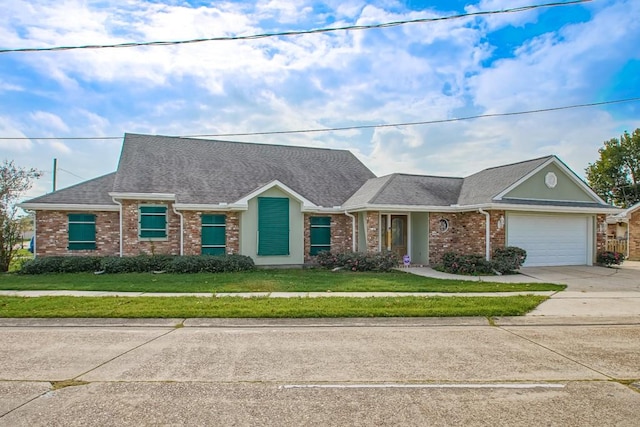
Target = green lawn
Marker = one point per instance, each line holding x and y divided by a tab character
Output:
277	280
226	307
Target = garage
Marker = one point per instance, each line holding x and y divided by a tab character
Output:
550	239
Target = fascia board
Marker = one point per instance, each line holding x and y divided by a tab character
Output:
143	196
275	183
67	207
210	208
490	206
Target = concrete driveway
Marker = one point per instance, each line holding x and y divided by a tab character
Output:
591	291
582	278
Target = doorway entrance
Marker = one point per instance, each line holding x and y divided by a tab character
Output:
394	234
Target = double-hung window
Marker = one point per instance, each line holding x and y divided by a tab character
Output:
320	234
153	222
214	234
82	231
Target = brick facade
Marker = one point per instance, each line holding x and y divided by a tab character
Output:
601	233
52	234
341	233
634	236
465	235
193	231
132	245
372	224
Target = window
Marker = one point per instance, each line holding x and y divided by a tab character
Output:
82	232
153	222
214	234
273	226
320	234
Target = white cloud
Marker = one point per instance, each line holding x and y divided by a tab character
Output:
49	121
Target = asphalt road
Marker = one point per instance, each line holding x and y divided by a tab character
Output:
464	371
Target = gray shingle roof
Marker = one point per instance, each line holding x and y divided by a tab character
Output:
483	186
92	192
408	190
209	172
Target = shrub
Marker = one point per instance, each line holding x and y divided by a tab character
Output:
508	259
210	264
42	265
609	258
138	264
466	264
358	261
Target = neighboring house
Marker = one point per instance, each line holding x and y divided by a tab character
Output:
623	232
281	205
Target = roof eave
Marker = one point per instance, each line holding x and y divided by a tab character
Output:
143	196
67	207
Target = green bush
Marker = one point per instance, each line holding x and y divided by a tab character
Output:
42	265
137	264
210	264
508	259
466	264
358	261
609	258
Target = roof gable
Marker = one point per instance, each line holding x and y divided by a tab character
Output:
552	181
484	186
214	172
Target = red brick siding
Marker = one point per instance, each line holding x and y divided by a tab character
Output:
52	234
466	234
634	236
372	224
341	233
193	231
132	245
601	233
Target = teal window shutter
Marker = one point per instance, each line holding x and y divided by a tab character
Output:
82	232
320	234
214	234
153	222
273	226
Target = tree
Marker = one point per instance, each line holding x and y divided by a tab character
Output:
14	181
615	175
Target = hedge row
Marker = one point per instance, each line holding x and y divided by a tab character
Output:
358	261
138	264
504	261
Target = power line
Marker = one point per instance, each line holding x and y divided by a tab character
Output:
356	127
294	33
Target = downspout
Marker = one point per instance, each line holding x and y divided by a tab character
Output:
353	230
181	228
487	237
120	215
35	241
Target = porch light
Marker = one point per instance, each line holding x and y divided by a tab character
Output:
501	222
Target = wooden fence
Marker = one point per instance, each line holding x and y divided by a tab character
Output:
616	245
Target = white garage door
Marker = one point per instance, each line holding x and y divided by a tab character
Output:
550	239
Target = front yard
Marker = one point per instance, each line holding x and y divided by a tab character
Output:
294	280
263	281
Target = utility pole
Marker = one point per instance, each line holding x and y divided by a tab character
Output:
55	171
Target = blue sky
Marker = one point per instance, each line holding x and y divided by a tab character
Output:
501	63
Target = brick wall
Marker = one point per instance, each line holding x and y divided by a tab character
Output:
372	224
132	245
341	233
634	236
52	234
193	231
466	233
601	233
